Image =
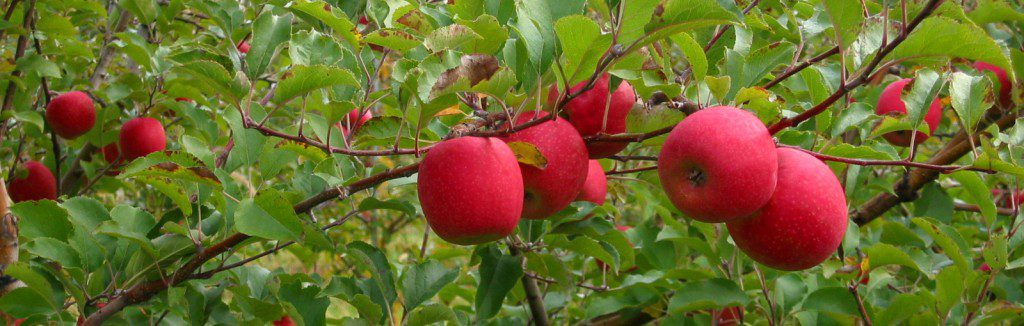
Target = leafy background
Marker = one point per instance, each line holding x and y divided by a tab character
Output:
260	210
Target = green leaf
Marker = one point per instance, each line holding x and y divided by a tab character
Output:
942	236
978	192
945	37
882	254
676	16
498	274
832	299
580	38
170	189
54	250
367	309
215	79
422	281
39	219
398	205
450	37
305	79
432	314
847	18
949	285
268	216
715	293
990	11
492	35
269	31
394	39
36	297
378	262
694	53
925	89
858	152
144	10
337	22
996	254
970	97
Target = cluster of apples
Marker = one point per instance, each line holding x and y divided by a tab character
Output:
473	189
783	207
890	103
71	115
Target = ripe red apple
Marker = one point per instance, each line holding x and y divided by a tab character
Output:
730	316
471	190
553	188
1008	199
985	268
803	223
718	164
284	321
1005	85
141	136
890	103
38	184
71	114
243	47
354	120
587	113
595	189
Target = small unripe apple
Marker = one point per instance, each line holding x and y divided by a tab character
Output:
718	164
243	47
141	136
587	113
1005	85
890	103
284	321
804	221
71	114
353	121
554	187
471	190
595	189
38	184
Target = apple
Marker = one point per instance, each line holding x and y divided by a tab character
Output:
354	120
985	268
890	103
1005	85
71	114
804	221
587	113
284	321
718	164
183	99
471	190
730	316
141	136
243	47
595	189
38	184
112	154
554	187
1008	199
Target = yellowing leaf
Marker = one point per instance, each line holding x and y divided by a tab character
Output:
528	154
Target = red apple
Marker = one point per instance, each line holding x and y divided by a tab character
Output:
1008	199
587	113
38	184
1005	85
71	114
284	321
890	103
471	190
112	154
730	316
19	321
243	47
354	120
595	189
554	187
985	268
718	164
803	223
141	136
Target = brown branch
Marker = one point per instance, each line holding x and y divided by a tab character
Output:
917	178
975	208
144	291
18	53
945	169
860	305
107	52
628	171
862	78
801	66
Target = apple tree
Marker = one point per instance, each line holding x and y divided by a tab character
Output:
590	162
